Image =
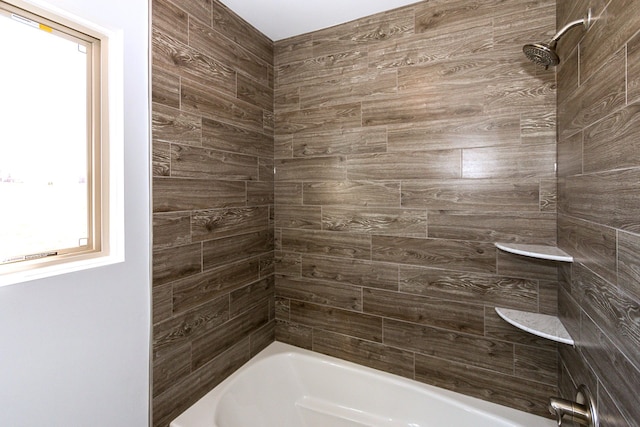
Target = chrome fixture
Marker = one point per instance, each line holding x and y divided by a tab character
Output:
545	53
582	411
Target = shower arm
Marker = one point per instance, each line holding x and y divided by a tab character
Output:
586	21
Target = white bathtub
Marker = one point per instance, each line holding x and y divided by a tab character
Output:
285	386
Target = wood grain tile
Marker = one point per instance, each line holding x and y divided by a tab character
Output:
424	106
171	229
314	69
177	194
266	170
568	75
218	252
525	267
347	245
207	346
250	296
616	314
288	193
451	315
548	195
352	193
609	198
286	98
341	142
216	223
262	337
255	93
215	105
608	35
331	319
306	217
590	244
319	119
449	254
525	395
606	92
259	193
516	227
350	271
162	300
374	355
175	263
437	164
171	368
177	57
293	49
422	48
537	365
161	159
538	127
548	297
521	95
212	43
452	346
390	25
226	137
608	411
629	264
171	125
287	264
521	161
199	9
189	389
235	28
283	146
331	294
398	222
165	88
463	194
633	69
613	143
170	19
470	287
175	332
216	283
602	355
352	86
311	169
196	162
294	334
447	133
497	328
570	155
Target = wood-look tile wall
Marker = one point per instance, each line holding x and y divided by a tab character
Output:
406	144
599	205
213	270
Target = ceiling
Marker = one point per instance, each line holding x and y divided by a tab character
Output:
279	19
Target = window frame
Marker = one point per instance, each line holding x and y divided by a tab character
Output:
105	152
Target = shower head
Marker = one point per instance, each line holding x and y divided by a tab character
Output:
542	53
545	53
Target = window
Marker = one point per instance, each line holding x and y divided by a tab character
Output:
53	144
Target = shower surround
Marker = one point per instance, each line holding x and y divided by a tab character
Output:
405	144
213	283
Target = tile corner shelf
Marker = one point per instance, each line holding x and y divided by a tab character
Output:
536	251
542	325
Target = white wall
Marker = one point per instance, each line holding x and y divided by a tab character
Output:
74	349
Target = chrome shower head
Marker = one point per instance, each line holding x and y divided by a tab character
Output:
545	53
542	54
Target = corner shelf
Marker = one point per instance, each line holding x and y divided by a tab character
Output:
536	251
542	325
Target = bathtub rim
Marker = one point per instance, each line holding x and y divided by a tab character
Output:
197	413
